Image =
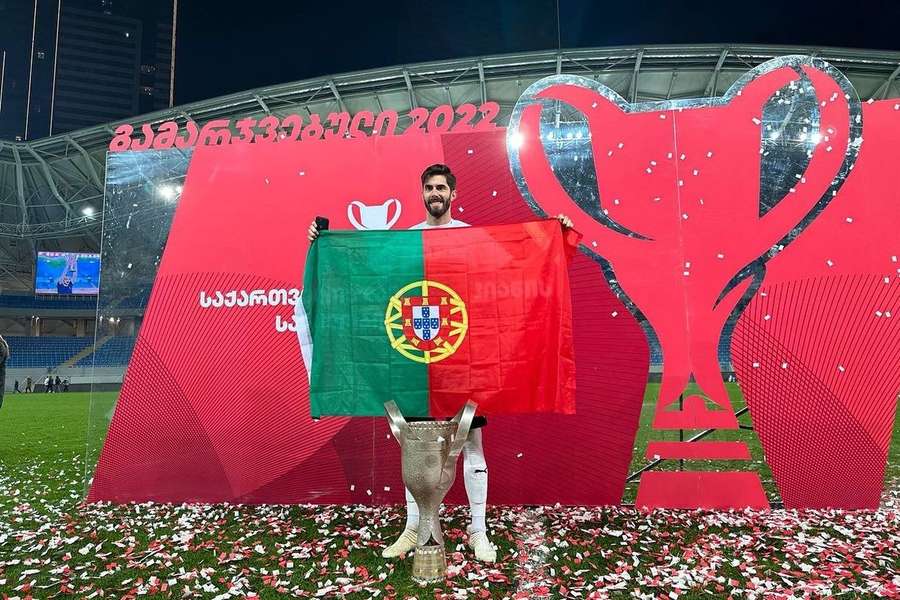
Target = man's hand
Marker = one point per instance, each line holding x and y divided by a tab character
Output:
313	232
566	221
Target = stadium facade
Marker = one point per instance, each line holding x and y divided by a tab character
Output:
52	188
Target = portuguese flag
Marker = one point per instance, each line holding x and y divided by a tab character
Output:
432	318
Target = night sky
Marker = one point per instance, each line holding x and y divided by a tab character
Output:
240	45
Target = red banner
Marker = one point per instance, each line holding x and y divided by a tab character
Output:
214	405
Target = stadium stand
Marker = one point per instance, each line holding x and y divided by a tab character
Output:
44	352
114	353
45	303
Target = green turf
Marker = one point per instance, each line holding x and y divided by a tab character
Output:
45	438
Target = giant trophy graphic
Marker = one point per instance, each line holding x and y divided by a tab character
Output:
682	203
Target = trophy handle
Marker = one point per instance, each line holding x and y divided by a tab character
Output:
356	224
398	424
396	214
464	419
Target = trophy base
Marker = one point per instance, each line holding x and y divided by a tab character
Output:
429	564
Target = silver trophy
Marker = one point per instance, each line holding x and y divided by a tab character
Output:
429	450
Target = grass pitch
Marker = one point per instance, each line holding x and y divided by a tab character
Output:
53	546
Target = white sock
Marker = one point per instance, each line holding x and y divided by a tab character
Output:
475	477
412	511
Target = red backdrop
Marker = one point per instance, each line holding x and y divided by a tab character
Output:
214	405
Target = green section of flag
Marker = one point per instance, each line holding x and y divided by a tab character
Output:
348	282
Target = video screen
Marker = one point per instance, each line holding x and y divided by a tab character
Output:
64	273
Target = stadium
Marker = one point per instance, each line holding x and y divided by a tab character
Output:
52	192
53	187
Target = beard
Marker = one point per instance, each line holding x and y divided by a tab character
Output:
437	211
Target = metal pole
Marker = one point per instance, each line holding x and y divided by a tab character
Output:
681	431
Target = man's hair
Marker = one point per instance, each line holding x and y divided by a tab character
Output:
439	169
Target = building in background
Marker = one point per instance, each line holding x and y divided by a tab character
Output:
69	64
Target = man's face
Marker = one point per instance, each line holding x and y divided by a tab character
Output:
437	196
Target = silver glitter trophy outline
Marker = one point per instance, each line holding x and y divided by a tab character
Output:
429	452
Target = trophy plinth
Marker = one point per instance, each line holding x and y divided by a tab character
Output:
429	450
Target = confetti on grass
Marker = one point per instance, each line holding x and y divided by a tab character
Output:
53	546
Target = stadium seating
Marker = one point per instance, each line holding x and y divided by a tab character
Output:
45	303
114	353
44	352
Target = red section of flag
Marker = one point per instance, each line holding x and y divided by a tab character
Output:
517	356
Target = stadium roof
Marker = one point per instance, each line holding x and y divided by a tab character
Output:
48	185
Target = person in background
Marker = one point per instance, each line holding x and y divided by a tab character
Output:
57	384
66	384
28	384
16	387
4	355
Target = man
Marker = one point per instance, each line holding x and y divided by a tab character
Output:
28	385
64	285
4	355
438	194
